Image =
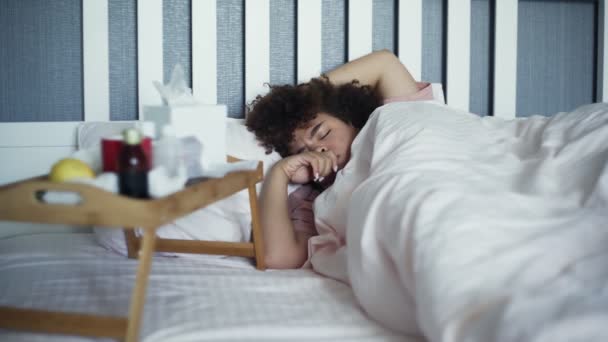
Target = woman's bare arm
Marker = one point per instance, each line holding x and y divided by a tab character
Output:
284	248
380	69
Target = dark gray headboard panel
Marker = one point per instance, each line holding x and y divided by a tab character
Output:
282	42
383	24
122	17
555	56
433	37
231	55
41	60
333	31
481	57
177	37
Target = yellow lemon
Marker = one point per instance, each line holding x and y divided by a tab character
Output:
70	168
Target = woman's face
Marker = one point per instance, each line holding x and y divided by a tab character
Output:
325	133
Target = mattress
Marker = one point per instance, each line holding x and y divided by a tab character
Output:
188	299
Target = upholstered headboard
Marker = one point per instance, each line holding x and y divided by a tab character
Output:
95	60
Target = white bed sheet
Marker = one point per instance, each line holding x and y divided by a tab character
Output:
188	299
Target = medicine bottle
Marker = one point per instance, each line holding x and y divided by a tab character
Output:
167	151
133	166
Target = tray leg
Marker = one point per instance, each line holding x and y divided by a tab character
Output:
132	242
256	229
141	281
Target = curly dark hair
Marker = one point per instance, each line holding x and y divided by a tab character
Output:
274	117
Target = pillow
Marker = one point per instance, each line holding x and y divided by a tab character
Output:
242	144
437	89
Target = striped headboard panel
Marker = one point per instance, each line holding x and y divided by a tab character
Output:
495	57
95	60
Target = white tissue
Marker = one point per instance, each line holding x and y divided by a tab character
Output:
176	92
161	184
107	181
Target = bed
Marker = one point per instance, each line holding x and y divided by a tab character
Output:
197	297
189	299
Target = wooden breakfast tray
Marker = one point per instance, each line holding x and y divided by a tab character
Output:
20	202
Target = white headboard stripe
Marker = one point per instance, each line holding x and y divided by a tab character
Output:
410	36
458	54
31	134
204	50
360	14
309	39
257	47
149	51
96	65
505	59
602	52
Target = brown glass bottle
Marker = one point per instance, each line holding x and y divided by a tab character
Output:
133	166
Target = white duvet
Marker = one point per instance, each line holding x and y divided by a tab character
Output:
465	228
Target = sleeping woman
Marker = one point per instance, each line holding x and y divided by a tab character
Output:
312	126
444	223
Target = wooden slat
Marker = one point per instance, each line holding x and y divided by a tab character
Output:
257	48
138	296
95	60
244	249
360	14
459	54
204	50
410	36
309	39
256	229
149	51
132	242
505	59
602	58
62	323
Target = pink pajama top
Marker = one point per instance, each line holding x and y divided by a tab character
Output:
300	202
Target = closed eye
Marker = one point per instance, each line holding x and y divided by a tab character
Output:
325	135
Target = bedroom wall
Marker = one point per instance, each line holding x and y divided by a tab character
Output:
41	52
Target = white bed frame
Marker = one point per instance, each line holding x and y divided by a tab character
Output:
28	149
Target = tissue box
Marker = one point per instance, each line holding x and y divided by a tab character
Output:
206	122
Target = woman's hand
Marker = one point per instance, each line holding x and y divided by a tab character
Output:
308	166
